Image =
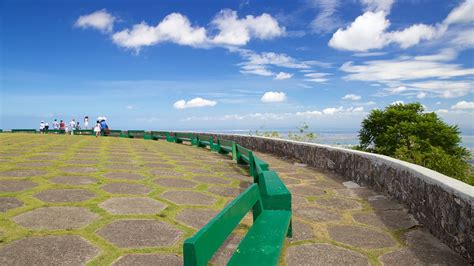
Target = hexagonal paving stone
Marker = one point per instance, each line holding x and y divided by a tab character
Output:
360	237
149	260
301	231
166	172
423	249
48	250
132	206
307	191
175	182
64	195
188	197
339	204
227	249
323	254
316	214
140	233
159	165
196	218
16	185
52	218
391	219
22	173
34	164
380	202
126	176
211	180
225	191
77	169
9	203
126	188
74	180
123	166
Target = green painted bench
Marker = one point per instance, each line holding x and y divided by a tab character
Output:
262	244
181	137
137	134
20	130
87	132
55	131
205	141
226	147
116	133
156	135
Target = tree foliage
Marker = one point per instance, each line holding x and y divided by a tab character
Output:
406	132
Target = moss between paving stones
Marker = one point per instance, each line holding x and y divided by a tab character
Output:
135	153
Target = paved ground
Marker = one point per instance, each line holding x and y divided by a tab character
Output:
76	199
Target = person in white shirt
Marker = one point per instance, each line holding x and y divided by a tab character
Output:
97	129
72	126
42	125
86	122
55	124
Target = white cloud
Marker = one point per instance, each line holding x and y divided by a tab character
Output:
196	102
397	102
421	95
414	35
367	54
442	111
273	97
369	30
377	5
283	75
461	14
235	31
309	113
406	68
352	97
327	19
100	20
463	105
332	110
261	63
365	33
130	107
443	89
447	54
174	28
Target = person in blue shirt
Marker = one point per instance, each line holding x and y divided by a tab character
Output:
103	126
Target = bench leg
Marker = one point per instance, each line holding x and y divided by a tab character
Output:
290	230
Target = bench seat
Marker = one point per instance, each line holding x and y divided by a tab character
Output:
263	243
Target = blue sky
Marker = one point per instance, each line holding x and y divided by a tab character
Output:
242	65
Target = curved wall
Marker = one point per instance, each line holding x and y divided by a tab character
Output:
442	204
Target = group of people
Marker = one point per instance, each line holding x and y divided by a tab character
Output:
100	126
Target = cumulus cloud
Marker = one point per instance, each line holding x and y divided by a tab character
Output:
100	20
273	97
421	95
196	102
332	110
370	30
283	75
239	31
463	105
174	28
352	97
365	33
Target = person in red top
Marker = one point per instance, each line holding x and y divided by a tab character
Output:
62	125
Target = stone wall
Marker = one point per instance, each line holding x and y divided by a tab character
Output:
442	204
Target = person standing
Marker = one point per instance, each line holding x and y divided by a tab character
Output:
103	126
78	127
62	125
55	124
86	122
72	126
42	125
97	129
46	127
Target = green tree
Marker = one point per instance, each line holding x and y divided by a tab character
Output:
302	134
406	132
